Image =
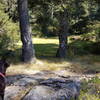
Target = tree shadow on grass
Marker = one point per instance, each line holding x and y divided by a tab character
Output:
47	52
85	55
80	47
42	52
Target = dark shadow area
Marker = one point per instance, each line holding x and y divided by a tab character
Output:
45	50
82	47
42	51
11	79
92	72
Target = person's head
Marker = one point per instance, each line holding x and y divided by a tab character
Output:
6	60
3	65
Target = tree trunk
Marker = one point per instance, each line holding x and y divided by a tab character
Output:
62	50
63	35
28	53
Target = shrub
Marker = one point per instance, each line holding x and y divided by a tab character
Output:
90	89
8	31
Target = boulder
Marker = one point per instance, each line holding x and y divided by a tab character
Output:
19	88
15	92
40	93
54	89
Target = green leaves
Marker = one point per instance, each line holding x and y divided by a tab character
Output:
8	30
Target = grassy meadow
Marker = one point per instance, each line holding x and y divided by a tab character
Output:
45	50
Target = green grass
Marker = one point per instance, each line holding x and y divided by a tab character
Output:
45	52
45	47
82	47
90	89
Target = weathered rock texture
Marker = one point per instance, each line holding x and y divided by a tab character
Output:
44	85
31	87
54	89
18	89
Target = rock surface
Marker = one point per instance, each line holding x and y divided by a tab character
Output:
54	89
43	86
19	88
15	92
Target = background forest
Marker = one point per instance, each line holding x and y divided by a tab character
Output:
62	30
48	17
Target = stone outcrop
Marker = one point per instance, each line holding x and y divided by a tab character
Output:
54	89
31	87
18	89
44	85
